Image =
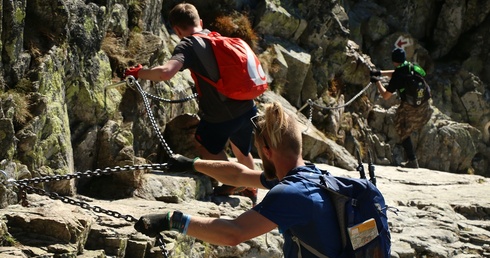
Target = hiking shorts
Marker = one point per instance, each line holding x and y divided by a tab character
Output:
409	119
215	136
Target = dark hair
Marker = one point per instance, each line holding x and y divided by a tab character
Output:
184	15
398	55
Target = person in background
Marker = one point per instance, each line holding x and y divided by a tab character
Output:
294	204
222	119
409	117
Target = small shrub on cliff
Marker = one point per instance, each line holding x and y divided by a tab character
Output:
235	25
16	106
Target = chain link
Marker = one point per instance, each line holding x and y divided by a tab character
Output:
157	98
88	173
311	103
71	201
133	82
161	244
24	188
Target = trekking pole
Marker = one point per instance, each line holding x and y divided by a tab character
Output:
372	177
360	166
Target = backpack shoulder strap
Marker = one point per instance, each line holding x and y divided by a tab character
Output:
202	49
330	184
308	247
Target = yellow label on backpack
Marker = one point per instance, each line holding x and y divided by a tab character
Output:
363	233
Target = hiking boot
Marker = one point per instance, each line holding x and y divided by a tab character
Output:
250	193
411	164
214	182
225	190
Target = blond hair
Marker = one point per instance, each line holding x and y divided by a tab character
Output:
281	129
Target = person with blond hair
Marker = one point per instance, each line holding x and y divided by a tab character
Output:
299	208
222	119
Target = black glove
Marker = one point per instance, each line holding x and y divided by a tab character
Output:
179	163
374	79
151	225
375	73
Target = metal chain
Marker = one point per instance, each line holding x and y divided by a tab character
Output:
24	188
161	244
133	82
157	98
310	119
71	201
88	173
311	103
314	105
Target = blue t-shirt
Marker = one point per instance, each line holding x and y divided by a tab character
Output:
303	209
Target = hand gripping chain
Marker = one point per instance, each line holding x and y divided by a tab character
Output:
134	84
24	188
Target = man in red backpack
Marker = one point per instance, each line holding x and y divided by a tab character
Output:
223	119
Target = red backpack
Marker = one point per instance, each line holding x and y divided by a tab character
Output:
241	74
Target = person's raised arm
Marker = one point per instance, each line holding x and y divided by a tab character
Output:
159	73
377	73
227	172
217	231
381	89
248	225
387	73
231	173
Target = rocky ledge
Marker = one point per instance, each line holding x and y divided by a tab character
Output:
438	214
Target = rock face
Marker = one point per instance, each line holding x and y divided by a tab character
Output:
431	213
58	114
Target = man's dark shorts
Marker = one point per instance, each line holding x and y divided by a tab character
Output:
214	136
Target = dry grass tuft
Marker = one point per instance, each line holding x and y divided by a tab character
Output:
235	25
18	103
